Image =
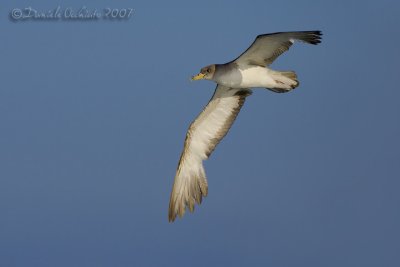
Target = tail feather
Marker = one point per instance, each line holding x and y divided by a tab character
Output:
285	81
289	74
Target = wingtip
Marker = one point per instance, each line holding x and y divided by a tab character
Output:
315	37
174	212
171	219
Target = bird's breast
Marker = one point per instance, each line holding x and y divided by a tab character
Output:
248	77
229	77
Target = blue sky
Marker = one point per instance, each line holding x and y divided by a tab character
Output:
93	115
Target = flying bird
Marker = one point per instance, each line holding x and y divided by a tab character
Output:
235	80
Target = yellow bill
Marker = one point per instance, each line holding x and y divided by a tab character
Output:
198	77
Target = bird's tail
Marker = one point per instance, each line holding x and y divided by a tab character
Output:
285	81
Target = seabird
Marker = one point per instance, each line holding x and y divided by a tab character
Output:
234	82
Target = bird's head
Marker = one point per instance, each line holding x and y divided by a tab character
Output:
206	73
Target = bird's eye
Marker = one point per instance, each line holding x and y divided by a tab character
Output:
208	70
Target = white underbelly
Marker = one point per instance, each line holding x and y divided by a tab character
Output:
247	78
257	77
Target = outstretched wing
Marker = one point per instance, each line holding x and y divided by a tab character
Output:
205	132
267	47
